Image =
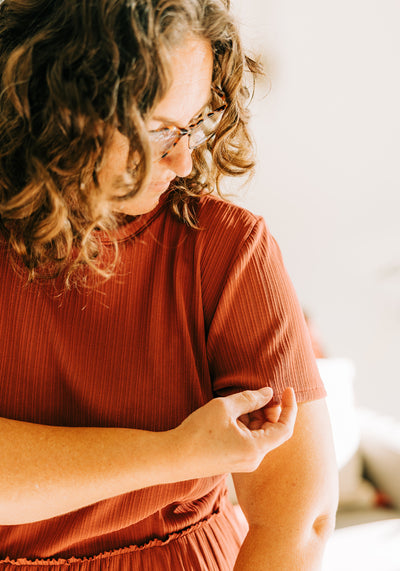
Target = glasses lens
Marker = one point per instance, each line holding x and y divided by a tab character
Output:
162	141
205	129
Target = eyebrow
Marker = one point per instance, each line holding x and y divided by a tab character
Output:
168	121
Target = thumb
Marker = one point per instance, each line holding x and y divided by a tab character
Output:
247	401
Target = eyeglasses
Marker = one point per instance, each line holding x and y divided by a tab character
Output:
163	140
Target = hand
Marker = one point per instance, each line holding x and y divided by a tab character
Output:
234	433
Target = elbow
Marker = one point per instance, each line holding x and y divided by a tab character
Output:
11	513
325	516
323	527
324	520
324	523
21	509
315	539
8	516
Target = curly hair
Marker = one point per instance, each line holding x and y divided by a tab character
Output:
71	72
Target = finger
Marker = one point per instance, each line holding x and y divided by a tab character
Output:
248	401
272	413
289	407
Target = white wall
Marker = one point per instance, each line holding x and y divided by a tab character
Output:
328	183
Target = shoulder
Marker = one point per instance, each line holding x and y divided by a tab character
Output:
226	227
226	215
232	243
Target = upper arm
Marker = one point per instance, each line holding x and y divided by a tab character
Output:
296	484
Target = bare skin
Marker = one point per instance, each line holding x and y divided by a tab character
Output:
290	500
105	462
286	485
190	90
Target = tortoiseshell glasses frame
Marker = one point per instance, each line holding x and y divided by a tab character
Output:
165	139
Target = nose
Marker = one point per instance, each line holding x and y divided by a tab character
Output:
179	159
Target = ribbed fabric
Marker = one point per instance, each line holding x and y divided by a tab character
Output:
190	314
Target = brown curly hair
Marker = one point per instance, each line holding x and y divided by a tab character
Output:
72	71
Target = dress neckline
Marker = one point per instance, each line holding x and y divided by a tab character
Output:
135	225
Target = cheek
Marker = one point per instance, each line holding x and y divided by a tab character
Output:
160	170
114	164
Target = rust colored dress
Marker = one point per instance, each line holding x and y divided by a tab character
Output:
190	314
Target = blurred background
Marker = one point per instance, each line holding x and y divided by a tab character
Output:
327	127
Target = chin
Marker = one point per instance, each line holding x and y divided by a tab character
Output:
136	208
145	201
149	207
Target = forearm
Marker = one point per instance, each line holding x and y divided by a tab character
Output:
51	470
266	551
47	471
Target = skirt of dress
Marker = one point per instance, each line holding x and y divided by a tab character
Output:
211	544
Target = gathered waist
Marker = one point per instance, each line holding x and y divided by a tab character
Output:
210	544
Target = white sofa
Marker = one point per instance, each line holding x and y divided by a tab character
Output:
367	444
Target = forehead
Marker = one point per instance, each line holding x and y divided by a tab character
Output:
191	69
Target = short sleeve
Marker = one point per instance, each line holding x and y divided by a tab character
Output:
257	334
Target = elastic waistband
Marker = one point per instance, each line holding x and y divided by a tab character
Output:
208	534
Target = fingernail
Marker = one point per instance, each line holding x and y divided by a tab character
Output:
266	391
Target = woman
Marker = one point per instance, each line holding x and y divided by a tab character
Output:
131	297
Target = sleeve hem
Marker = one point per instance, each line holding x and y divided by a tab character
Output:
311	394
